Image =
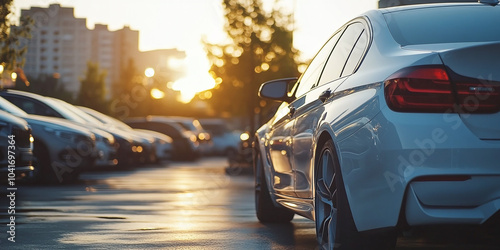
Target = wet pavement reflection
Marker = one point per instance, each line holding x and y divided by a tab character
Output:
172	206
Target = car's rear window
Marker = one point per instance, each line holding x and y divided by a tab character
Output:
451	24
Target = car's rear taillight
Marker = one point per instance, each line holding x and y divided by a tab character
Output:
429	89
422	89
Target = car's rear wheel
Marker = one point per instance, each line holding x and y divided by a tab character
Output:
266	211
335	228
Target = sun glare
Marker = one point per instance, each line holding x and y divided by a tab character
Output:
157	94
197	77
193	84
149	72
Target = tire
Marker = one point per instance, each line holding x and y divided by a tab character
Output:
266	211
44	172
335	227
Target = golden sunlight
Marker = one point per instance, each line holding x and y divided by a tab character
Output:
191	85
157	94
197	77
149	72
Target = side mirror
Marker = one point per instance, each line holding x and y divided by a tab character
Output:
277	89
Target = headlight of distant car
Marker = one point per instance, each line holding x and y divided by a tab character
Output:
193	138
244	136
201	136
137	149
204	136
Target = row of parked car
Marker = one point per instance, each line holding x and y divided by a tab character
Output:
55	141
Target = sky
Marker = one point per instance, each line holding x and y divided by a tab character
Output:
182	24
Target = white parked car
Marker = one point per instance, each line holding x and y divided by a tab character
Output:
395	122
224	140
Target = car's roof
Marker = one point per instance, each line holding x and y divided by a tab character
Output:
431	5
12	119
23	93
159	120
67	114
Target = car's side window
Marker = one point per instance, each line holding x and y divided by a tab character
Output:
356	54
32	107
163	128
338	58
27	107
313	71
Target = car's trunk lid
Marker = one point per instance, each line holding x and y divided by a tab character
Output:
475	73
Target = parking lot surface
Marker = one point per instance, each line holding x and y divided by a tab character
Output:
193	205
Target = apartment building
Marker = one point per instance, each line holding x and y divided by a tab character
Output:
61	45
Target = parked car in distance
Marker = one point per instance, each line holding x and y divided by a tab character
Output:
107	147
62	149
16	149
224	140
395	123
163	143
193	125
185	143
44	106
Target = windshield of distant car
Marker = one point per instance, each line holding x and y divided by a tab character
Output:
216	129
452	24
105	118
11	108
190	125
64	111
88	118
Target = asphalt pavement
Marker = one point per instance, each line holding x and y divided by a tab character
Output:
190	205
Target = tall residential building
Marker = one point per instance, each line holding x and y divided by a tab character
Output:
102	49
124	40
61	46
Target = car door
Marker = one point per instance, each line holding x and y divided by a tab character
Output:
280	133
279	151
310	109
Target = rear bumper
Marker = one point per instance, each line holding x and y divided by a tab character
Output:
382	159
476	207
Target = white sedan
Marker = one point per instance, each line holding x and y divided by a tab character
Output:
396	122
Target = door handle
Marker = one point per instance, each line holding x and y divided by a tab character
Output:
292	111
325	95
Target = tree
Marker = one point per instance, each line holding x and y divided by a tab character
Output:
12	51
92	92
261	49
129	93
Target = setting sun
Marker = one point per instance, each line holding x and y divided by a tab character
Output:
192	85
197	77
